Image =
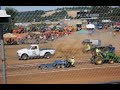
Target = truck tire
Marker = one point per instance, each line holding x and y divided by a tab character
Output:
24	57
47	55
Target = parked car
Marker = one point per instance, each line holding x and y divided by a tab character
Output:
117	26
100	26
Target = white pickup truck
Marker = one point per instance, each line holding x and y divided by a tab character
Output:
33	51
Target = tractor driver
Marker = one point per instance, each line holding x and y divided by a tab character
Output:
98	51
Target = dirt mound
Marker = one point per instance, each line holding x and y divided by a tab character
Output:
71	45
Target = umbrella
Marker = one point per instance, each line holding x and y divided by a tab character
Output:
90	26
9	35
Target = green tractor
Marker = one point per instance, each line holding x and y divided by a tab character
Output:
107	55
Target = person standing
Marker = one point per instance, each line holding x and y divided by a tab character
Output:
72	61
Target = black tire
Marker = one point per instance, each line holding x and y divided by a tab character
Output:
98	61
92	60
47	55
58	66
24	57
62	66
68	65
19	59
111	62
39	67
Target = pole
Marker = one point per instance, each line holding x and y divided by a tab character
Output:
3	54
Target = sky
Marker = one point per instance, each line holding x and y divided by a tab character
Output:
32	8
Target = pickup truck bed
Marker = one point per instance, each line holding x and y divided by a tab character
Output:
46	49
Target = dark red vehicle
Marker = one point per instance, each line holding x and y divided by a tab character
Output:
20	30
117	26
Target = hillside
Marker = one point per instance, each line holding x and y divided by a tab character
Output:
72	13
48	13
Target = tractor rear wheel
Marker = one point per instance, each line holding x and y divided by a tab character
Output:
111	61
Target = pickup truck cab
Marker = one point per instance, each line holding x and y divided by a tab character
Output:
33	51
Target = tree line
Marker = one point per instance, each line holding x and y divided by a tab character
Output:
107	12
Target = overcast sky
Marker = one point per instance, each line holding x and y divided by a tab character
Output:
32	8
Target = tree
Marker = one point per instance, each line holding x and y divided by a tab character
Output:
100	9
115	14
13	12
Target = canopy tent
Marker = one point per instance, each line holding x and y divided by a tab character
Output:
9	35
90	26
83	32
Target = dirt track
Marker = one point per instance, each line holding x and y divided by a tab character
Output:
66	46
77	75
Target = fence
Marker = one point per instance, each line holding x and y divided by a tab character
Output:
50	30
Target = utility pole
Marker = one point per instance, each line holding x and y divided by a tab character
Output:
3	54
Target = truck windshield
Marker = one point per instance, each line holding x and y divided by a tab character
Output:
29	47
32	47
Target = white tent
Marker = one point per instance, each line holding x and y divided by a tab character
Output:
92	26
35	32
